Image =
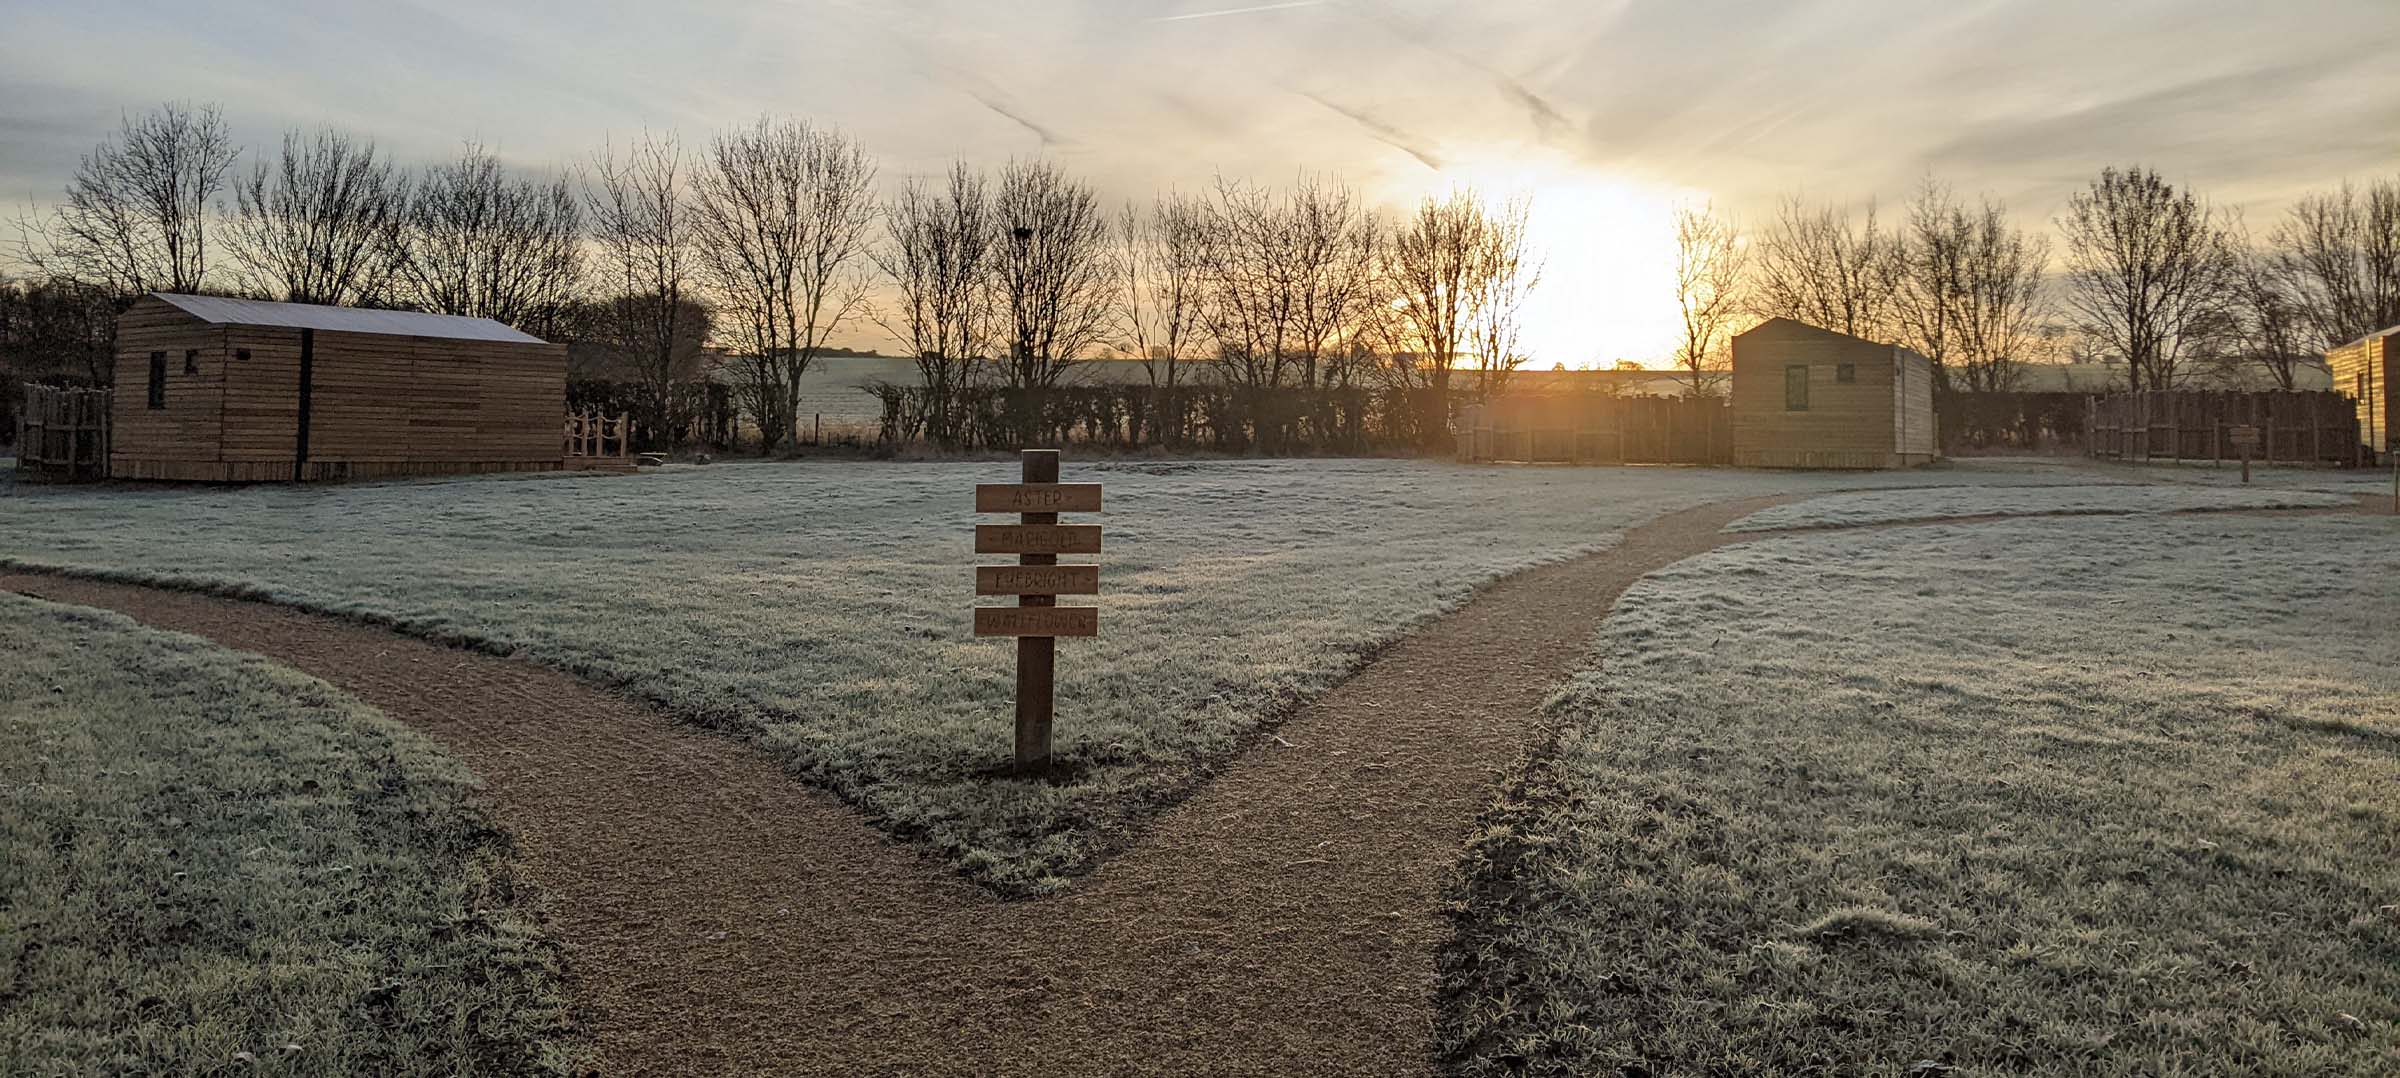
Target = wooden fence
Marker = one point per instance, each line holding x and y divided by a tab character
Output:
1596	428
2311	427
62	434
599	441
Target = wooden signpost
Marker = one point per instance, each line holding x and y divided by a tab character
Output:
2245	440
1037	580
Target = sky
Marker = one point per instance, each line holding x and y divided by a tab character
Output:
1609	113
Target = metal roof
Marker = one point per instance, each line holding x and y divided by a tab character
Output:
259	312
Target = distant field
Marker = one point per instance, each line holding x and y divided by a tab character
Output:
212	865
2091	797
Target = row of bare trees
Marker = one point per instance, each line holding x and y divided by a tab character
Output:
327	220
1955	281
2151	275
770	240
1011	280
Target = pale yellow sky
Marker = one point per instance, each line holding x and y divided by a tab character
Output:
1610	112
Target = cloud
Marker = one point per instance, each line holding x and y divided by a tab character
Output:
1251	10
1382	132
1048	137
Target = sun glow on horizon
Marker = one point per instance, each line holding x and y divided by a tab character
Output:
1607	245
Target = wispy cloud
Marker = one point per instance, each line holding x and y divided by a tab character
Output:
1382	131
1251	10
1049	138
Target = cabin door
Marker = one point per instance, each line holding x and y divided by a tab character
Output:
308	380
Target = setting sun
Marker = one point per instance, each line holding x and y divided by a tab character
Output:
1607	245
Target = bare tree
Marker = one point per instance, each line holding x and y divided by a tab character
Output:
1930	260
1816	266
1429	276
1331	249
1053	275
315	227
475	241
2148	269
2267	323
135	217
1979	299
2339	254
939	260
1505	273
1252	282
643	230
1709	269
783	210
1163	256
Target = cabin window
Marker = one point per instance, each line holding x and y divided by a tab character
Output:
241	353
191	361
1845	373
1795	388
158	379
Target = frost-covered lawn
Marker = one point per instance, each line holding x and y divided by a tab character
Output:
1935	503
213	865
2094	797
823	607
2368	480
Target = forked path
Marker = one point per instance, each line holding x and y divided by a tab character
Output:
722	918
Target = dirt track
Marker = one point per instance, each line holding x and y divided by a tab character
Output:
725	919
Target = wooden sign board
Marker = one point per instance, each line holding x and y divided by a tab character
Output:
1037	539
1037	621
1037	580
2244	437
1037	497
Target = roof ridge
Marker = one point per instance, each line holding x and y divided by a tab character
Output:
234	310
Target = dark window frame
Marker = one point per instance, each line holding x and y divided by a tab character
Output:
191	361
158	380
1845	373
1795	390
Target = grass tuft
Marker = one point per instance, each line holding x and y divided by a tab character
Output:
1863	923
2085	797
212	865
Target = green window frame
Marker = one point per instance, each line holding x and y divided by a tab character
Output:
1795	388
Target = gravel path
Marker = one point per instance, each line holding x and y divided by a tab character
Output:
724	919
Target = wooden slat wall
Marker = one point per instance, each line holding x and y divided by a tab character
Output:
1847	425
2363	372
382	405
262	397
188	429
1918	439
392	399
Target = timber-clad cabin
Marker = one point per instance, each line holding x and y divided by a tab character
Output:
2362	370
235	390
1805	397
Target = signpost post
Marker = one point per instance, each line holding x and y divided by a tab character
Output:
2245	439
1037	580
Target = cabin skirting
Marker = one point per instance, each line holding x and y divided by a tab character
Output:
268	471
1834	459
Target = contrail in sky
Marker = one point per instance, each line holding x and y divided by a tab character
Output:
1239	11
